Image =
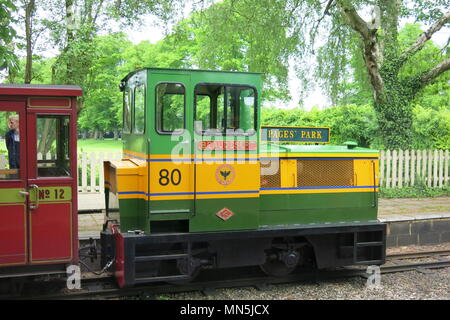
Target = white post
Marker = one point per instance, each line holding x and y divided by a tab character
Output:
3	161
84	172
424	166
430	166
100	172
418	164
92	162
400	169
446	167
382	156
388	169
413	167
441	168
394	169
406	167
435	169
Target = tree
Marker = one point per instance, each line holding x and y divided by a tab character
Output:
29	12
241	36
103	101
393	91
339	25
7	33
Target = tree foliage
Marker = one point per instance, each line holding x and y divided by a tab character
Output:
385	59
8	58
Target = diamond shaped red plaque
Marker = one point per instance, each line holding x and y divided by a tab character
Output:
225	214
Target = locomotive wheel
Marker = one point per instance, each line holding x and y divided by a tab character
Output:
179	268
282	258
276	268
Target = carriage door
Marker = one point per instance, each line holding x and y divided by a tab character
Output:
225	150
51	183
13	199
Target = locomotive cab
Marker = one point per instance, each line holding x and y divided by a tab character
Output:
190	148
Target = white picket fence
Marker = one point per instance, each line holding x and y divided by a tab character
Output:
398	168
402	168
90	170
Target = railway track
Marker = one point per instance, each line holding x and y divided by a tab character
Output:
105	288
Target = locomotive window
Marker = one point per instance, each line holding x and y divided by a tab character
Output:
52	145
139	109
231	107
204	111
170	100
127	111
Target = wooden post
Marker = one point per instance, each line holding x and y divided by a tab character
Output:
93	164
101	177
430	166
407	168
435	168
382	156
388	169
446	167
400	169
394	169
3	161
413	167
84	172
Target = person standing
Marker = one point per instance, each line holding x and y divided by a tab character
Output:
12	139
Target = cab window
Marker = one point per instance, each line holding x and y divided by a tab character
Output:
225	108
139	109
170	107
127	111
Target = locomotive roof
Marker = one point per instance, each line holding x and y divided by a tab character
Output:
186	70
40	90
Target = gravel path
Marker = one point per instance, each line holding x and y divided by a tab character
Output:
411	285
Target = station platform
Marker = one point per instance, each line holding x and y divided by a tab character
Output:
411	221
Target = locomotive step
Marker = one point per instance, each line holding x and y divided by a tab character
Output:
370	244
162	278
161	257
369	262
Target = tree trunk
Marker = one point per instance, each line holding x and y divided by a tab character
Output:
29	11
70	18
395	116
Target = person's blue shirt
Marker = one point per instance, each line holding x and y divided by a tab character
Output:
12	144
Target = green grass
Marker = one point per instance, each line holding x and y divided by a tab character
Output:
414	192
97	146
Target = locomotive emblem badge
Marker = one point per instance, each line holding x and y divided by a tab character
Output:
225	214
225	174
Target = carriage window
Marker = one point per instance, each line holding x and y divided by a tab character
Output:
230	107
139	109
52	145
9	145
127	111
170	100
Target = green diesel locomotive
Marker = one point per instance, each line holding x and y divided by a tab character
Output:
203	185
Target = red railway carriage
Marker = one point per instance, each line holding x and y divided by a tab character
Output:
38	181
